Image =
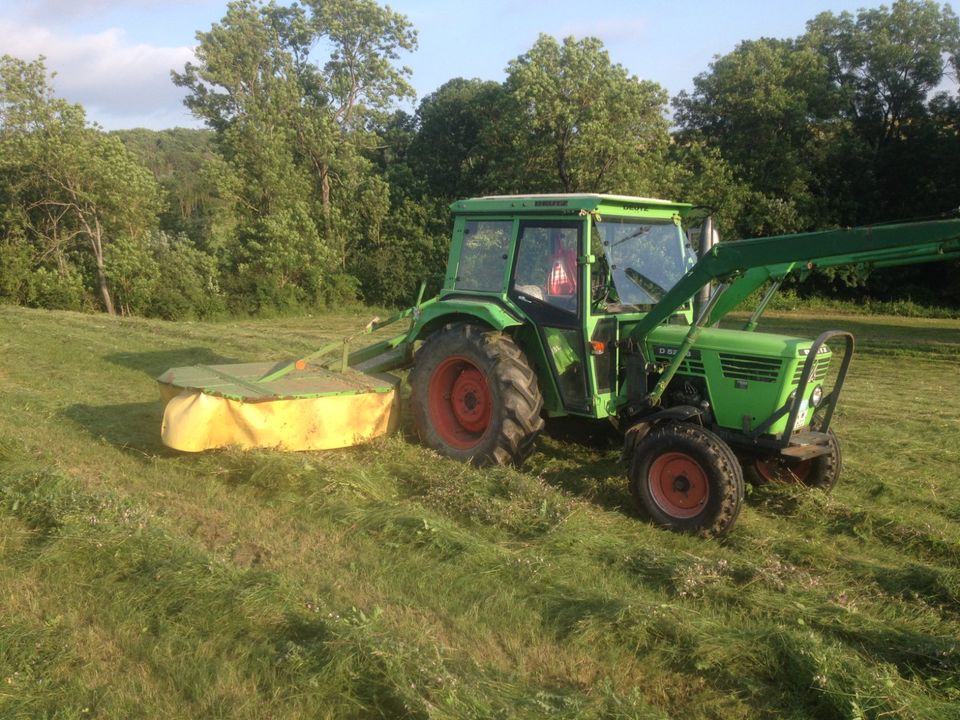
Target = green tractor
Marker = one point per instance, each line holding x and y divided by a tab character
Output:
596	306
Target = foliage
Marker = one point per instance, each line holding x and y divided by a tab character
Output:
840	126
886	62
414	250
72	192
167	278
698	172
177	158
290	132
566	119
309	187
574	121
759	106
449	154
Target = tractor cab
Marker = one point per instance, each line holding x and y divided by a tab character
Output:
572	269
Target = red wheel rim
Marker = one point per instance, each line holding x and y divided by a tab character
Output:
678	485
459	402
778	471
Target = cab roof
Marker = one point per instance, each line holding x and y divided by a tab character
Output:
563	203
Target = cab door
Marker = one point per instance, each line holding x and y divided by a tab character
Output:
547	283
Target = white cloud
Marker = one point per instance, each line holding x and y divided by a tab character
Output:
118	83
47	11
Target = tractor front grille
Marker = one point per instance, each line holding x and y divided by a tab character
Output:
689	366
692	366
750	367
820	367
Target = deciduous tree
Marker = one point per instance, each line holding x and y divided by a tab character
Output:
761	107
574	121
70	187
291	130
885	62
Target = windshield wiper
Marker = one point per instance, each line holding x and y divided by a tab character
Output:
646	284
644	229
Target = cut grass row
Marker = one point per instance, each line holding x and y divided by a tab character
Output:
383	581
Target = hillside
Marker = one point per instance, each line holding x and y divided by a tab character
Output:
382	581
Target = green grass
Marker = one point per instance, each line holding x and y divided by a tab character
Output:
790	301
382	581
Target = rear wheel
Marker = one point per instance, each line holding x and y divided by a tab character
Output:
820	472
687	479
475	396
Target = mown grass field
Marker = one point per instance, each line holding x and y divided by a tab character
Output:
383	581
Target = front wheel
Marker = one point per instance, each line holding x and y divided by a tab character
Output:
687	479
475	396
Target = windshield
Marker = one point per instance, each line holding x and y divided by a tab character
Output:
645	259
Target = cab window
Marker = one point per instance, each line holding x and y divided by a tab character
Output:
483	255
546	268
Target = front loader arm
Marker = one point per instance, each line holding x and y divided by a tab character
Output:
748	264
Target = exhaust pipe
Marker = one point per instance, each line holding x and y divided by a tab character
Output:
708	238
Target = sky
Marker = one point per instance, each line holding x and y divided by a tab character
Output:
115	56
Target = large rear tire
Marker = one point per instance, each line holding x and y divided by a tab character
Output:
687	479
821	472
475	396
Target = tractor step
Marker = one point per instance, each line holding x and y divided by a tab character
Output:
807	445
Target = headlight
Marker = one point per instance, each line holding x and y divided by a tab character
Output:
816	396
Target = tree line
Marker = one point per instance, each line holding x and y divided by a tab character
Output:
309	187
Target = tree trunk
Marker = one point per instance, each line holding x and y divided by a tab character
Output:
104	288
96	242
327	223
325	194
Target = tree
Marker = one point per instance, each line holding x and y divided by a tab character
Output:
449	152
762	106
70	187
699	174
838	126
885	62
291	132
573	121
412	248
176	158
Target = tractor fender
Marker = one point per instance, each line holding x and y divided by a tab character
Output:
490	313
639	430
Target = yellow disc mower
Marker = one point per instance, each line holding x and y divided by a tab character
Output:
311	403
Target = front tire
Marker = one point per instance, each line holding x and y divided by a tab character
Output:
475	396
687	479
